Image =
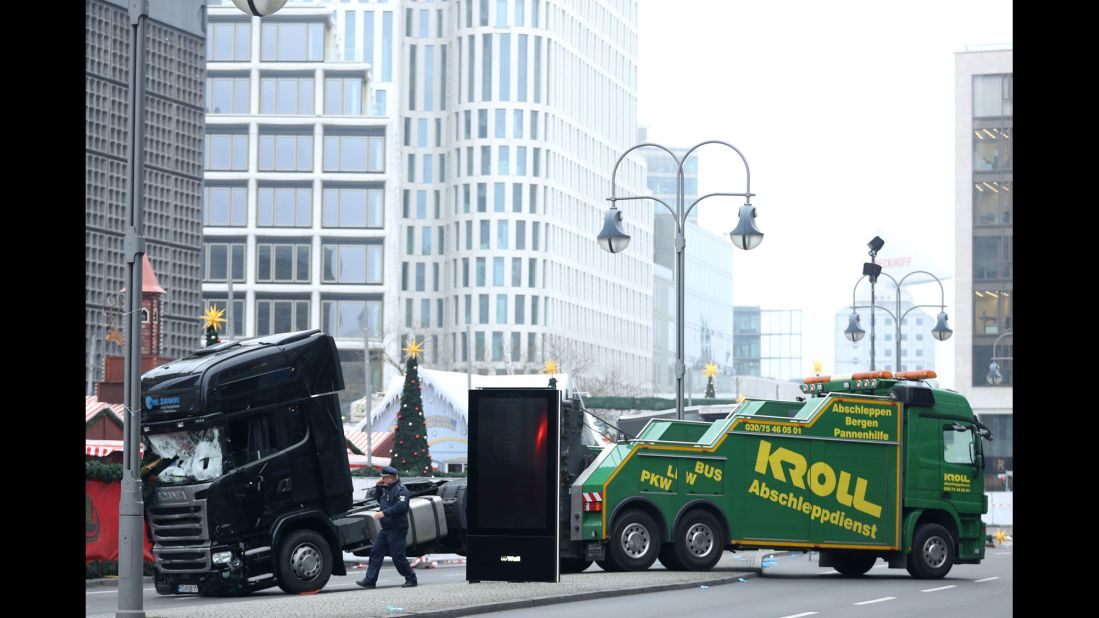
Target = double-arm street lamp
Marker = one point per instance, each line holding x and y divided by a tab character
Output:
994	377
614	239
131	515
854	331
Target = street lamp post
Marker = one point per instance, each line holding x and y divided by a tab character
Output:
131	537
614	239
941	332
994	377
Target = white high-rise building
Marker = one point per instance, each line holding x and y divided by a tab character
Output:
485	131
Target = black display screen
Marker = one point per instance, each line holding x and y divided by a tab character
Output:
513	456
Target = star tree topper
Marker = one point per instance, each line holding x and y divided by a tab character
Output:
414	348
711	370
550	367
213	317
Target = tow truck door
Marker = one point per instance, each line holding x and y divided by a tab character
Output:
961	473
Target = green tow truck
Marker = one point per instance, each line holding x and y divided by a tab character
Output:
865	466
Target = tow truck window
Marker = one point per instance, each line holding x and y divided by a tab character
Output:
958	446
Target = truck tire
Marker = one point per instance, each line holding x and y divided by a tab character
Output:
634	542
668	558
932	552
853	562
608	566
574	565
303	562
699	541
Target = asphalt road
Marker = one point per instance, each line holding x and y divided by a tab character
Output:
105	600
797	588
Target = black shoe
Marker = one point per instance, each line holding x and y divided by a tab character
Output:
409	584
362	582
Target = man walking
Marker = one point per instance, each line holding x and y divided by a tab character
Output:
392	497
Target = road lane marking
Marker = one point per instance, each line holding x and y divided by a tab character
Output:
831	572
1003	553
874	601
880	566
987	579
801	614
939	588
453	574
116	592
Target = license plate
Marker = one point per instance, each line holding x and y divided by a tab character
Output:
187	588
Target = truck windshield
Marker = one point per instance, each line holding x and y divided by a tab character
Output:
958	446
197	455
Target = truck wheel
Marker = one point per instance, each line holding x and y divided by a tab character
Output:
853	563
699	541
574	565
304	562
668	558
608	566
932	552
634	542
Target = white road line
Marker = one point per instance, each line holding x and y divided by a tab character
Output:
987	579
939	588
880	566
801	614
874	601
1003	553
116	592
452	575
831	572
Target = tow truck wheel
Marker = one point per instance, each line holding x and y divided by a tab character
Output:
634	541
304	562
574	565
699	541
853	563
932	552
608	566
668	558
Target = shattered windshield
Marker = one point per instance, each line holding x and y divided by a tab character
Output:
197	455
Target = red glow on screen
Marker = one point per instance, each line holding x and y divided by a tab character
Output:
540	438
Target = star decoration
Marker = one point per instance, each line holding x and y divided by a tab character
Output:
414	348
113	335
817	366
550	367
213	317
711	370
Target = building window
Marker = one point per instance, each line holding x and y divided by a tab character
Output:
227	95
425	313
284	207
352	263
224	206
348	207
217	256
281	316
482	308
992	257
226	151
520	309
229	42
282	262
992	95
480	272
479	346
992	311
992	149
501	308
497	346
992	203
354	153
286	95
286	153
516	272
286	41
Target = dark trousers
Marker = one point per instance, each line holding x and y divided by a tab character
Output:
391	542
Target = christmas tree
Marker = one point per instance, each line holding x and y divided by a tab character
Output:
410	454
211	321
711	371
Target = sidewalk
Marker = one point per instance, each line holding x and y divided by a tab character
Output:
461	599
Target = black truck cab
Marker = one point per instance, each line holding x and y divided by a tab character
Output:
253	473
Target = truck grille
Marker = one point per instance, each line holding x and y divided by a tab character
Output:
177	520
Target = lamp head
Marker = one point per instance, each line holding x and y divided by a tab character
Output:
854	330
875	245
613	239
942	332
746	235
994	376
259	8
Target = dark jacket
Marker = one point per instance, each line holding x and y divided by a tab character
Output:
393	502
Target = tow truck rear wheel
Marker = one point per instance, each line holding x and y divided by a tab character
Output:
699	541
853	562
634	541
668	558
303	562
932	552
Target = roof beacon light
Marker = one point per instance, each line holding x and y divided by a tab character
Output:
916	375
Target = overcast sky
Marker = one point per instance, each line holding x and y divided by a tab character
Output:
845	113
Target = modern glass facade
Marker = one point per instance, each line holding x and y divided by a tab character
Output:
767	343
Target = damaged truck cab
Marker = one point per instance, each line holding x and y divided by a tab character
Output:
253	473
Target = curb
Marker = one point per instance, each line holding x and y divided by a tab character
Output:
110	581
586	596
